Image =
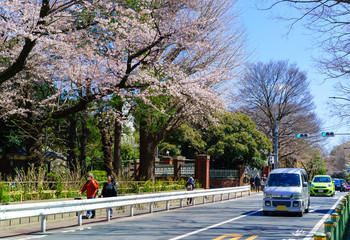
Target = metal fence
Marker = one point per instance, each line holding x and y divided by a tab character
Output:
8	212
223	173
187	169
164	170
253	172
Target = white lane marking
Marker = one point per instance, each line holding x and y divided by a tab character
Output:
310	235
213	226
299	233
81	229
73	230
33	237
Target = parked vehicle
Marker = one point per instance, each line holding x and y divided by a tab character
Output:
287	190
322	185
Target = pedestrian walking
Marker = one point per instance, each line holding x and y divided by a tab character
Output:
263	182
257	182
109	190
252	182
190	186
90	187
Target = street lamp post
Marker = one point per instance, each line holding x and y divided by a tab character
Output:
276	145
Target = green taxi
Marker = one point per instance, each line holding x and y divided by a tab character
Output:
322	185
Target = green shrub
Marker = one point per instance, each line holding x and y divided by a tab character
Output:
4	193
99	175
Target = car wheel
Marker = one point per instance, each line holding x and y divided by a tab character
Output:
265	213
308	207
300	214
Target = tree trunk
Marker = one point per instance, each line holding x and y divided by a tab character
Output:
33	145
107	150
117	161
148	151
72	136
83	143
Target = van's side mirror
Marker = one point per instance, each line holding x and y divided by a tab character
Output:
305	184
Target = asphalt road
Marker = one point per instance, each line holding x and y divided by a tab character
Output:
235	219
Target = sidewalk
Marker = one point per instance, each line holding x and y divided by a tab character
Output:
20	231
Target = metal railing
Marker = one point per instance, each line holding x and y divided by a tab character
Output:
8	212
338	227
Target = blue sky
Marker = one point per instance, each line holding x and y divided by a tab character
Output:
269	39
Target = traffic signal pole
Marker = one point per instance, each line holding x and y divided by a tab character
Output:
276	145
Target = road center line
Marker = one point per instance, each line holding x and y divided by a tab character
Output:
213	226
310	235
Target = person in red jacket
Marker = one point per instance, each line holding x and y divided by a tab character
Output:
90	187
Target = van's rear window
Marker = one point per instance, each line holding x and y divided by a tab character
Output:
283	180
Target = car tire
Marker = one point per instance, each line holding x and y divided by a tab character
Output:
308	207
300	214
265	213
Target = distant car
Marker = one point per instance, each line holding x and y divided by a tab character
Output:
322	185
347	187
337	184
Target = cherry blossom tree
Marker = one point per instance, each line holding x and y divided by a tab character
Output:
191	75
59	56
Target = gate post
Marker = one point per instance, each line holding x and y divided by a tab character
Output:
202	170
177	166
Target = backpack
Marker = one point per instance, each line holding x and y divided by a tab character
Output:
189	186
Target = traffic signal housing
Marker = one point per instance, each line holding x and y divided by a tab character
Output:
328	134
302	135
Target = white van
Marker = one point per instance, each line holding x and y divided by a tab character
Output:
287	190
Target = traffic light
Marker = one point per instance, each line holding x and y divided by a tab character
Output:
327	134
302	135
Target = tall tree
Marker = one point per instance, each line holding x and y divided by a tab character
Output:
190	73
185	141
105	53
235	141
329	19
278	91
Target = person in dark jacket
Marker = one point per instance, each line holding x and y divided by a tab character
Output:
252	182
190	186
109	190
257	182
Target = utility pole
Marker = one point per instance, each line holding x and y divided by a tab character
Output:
276	145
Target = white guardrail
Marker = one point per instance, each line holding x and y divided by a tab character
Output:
8	212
